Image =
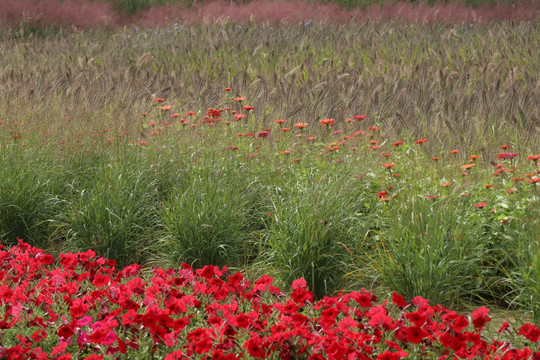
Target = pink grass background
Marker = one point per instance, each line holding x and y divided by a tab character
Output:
84	14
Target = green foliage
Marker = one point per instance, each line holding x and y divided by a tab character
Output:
111	211
425	250
210	220
28	196
312	228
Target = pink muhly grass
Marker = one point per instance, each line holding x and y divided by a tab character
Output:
85	13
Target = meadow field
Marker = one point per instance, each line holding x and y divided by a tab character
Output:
368	159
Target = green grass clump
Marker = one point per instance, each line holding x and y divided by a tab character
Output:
210	220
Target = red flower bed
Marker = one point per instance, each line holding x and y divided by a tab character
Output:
81	306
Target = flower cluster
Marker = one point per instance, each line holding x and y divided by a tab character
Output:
81	306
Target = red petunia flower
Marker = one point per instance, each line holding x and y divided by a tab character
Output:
398	300
415	334
480	317
78	308
65	332
254	346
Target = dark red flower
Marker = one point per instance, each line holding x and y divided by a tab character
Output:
480	317
398	300
415	334
65	332
254	346
530	331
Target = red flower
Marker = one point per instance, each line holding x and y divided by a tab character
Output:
78	308
327	122
241	321
203	346
503	327
177	355
530	331
101	280
300	294
46	259
398	300
360	117
421	141
39	335
94	357
481	205
97	336
415	334
507	155
397	143
480	317
387	355
382	194
254	346
65	332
